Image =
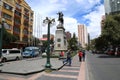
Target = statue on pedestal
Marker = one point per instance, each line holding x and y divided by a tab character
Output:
60	37
60	18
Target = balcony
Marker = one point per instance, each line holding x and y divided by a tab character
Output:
27	14
26	20
17	24
17	16
18	9
16	33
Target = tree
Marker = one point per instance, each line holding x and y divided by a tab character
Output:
8	37
111	30
72	43
110	34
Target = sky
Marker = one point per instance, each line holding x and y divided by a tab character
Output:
76	12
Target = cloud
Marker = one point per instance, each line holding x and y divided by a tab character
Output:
87	12
94	27
70	24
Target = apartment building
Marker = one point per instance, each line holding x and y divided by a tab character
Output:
112	6
19	18
82	35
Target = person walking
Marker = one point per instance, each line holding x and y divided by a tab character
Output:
83	55
69	58
61	53
80	55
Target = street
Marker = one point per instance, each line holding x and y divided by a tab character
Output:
97	67
65	73
103	67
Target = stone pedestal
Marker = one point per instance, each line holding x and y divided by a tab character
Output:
60	39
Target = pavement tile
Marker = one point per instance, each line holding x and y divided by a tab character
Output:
54	78
65	73
29	66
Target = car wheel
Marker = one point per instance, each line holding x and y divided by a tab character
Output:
4	60
17	58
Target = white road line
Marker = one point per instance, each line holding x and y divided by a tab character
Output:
61	76
69	70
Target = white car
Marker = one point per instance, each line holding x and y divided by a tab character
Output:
10	54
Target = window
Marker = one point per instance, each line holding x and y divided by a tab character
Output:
18	13
26	17
25	39
18	6
6	6
4	51
17	21
25	31
7	26
17	30
14	51
26	11
31	15
59	45
6	16
26	24
58	40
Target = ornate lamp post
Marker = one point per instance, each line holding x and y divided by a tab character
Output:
1	37
48	21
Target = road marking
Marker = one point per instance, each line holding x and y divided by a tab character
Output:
59	75
69	70
34	77
82	72
71	67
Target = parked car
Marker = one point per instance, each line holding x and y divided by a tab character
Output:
117	51
10	54
31	52
111	51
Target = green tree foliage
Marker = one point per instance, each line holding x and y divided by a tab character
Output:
35	40
72	43
110	34
8	37
111	30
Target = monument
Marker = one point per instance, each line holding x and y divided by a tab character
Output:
60	36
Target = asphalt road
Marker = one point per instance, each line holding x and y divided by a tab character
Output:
103	67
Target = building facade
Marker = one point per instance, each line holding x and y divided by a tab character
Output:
82	35
112	6
68	35
102	23
19	18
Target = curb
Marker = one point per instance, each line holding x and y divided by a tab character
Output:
23	73
32	72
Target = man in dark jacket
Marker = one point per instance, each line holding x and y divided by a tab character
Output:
69	58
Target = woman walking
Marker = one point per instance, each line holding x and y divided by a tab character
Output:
80	55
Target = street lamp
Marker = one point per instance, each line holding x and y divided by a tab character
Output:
48	21
1	37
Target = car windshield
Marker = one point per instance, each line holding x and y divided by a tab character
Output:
28	50
4	51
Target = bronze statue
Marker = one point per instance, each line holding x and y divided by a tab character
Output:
60	18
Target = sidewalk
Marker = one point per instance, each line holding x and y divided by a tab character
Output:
63	72
29	66
74	72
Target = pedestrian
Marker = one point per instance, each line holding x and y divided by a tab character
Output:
61	53
69	58
83	56
80	54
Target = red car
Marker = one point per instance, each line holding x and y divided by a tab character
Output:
111	52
